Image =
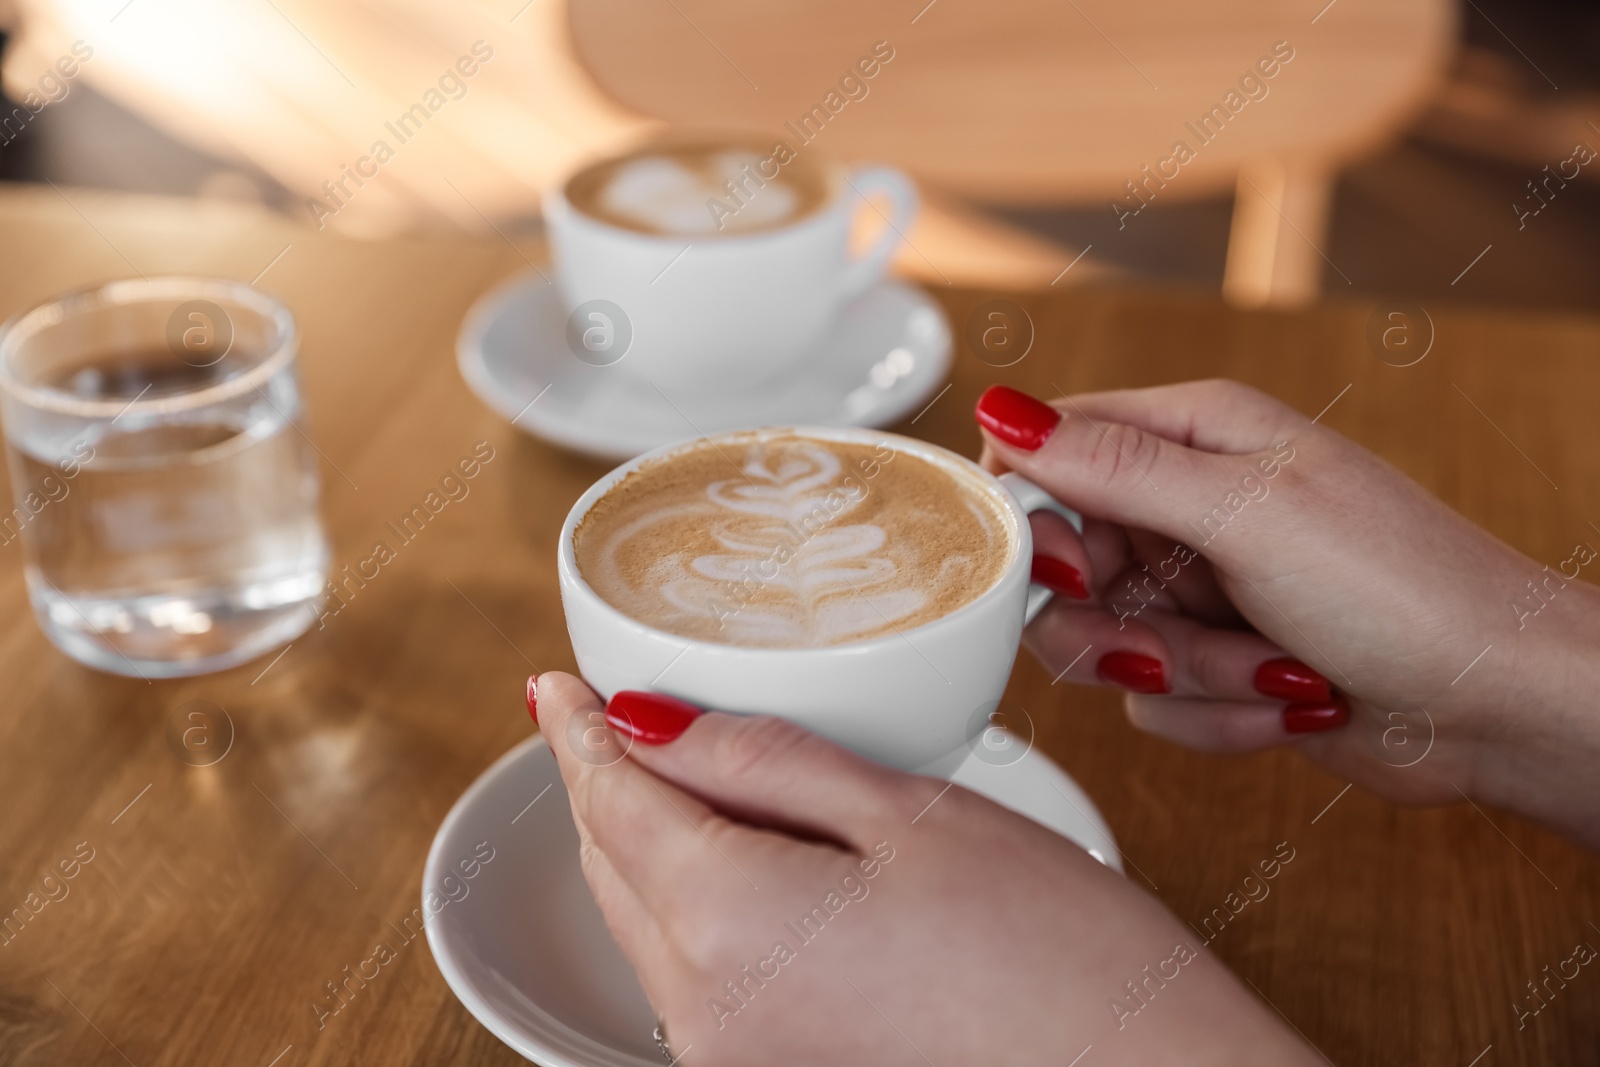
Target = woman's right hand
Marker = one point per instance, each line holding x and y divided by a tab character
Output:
786	901
1225	530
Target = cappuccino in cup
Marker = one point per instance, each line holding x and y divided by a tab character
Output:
781	540
870	587
723	259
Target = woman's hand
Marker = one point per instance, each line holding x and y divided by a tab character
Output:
785	901
1224	530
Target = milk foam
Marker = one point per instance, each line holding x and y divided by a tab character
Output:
803	547
662	193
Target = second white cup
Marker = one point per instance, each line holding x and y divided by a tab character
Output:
718	312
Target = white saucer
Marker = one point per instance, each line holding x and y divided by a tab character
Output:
886	355
525	947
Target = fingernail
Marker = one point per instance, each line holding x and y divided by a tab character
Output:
1312	717
533	698
650	718
1059	576
1016	418
1134	671
1289	679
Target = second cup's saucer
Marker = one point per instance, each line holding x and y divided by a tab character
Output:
886	355
523	945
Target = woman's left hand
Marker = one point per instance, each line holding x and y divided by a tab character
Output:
786	901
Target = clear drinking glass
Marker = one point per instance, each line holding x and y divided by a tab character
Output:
166	502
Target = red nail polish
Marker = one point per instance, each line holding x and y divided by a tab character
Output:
533	698
650	718
1134	671
1310	718
1016	418
1289	679
1059	576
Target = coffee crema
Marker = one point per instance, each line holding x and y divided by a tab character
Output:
700	189
774	539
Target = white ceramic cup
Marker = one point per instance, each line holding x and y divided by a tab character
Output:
919	699
719	312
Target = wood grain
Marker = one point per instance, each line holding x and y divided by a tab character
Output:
218	904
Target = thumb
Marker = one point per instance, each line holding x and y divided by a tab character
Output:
1115	471
767	771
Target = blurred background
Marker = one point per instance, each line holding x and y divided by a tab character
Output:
1409	148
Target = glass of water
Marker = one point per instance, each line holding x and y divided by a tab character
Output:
166	501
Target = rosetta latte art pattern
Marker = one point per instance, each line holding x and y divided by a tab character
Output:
837	581
808	543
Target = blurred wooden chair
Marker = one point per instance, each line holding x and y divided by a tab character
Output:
1015	103
1049	103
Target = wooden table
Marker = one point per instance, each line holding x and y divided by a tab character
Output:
220	900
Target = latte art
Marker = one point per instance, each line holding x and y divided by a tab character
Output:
661	193
674	190
777	540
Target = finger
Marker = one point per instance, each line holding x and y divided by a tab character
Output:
1060	557
1232	664
1233	726
1111	548
1108	546
1136	588
668	846
770	772
1123	568
1088	646
634	927
1106	552
1150	650
1108	470
1102	548
1124	473
1188	413
1178	570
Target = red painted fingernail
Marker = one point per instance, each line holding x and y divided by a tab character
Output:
1320	715
1133	670
533	697
1016	418
1289	679
1059	576
650	718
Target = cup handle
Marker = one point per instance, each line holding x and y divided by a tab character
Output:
865	272
1032	498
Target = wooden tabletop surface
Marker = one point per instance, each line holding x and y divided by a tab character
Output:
216	902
